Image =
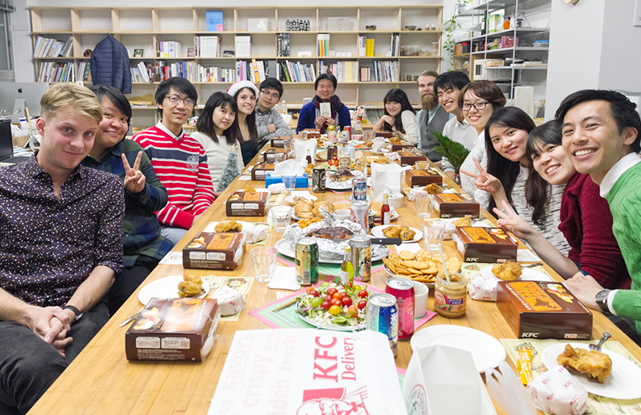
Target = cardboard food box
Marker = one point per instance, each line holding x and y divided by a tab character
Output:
214	250
411	157
269	156
422	177
242	203
402	145
312	133
309	372
449	205
384	134
437	377
543	310
485	244
173	329
260	170
280	142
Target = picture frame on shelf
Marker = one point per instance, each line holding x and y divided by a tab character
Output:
139	53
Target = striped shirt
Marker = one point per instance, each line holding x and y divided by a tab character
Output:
181	165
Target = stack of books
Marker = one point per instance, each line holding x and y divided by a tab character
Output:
52	48
322	45
207	46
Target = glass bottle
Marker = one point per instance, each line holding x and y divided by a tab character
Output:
385	211
347	270
309	156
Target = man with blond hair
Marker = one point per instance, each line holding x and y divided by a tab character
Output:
60	247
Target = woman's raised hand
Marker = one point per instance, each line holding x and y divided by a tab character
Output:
134	179
484	181
510	221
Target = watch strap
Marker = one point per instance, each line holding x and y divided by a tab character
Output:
602	300
75	310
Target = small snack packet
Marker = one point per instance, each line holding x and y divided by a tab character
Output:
229	300
524	364
557	393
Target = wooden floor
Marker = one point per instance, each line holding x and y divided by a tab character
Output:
102	381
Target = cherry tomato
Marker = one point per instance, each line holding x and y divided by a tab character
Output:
347	301
326	305
337	295
363	294
313	293
316	302
331	291
328	297
362	304
334	310
310	289
337	301
352	311
343	294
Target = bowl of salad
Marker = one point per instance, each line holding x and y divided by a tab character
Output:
334	306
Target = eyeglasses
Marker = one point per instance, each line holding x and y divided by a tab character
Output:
175	100
266	93
479	106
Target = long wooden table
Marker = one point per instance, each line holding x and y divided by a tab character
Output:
102	381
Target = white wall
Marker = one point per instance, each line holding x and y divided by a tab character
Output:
593	44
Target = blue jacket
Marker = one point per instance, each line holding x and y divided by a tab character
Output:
307	117
110	65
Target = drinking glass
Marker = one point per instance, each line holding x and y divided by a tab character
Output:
433	235
281	216
302	135
424	206
289	182
264	262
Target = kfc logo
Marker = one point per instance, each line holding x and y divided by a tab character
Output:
335	401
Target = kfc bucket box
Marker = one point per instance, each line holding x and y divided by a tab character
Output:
214	250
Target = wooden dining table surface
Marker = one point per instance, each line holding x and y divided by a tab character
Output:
102	381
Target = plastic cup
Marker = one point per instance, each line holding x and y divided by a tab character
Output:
424	207
289	182
281	216
420	299
264	262
433	235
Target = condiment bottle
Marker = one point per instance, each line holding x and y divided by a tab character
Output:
506	24
450	296
309	156
385	211
347	269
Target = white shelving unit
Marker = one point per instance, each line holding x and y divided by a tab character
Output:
143	28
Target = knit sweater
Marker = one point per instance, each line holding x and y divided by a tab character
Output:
408	118
181	165
272	116
217	154
550	228
625	204
586	223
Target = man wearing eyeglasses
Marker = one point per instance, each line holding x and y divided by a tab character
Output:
178	160
269	122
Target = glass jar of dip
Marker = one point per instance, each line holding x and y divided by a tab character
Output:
450	297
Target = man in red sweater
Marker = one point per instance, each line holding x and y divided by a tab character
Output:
178	160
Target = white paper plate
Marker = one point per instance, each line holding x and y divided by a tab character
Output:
527	275
623	382
486	350
290	199
378	232
165	288
212	225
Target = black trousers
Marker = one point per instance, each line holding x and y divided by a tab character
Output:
128	281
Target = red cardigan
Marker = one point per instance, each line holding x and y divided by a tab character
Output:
586	223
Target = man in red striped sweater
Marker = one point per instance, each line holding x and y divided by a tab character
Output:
178	160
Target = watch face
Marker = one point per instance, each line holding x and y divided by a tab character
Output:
602	295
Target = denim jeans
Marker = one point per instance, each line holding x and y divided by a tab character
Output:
173	235
28	365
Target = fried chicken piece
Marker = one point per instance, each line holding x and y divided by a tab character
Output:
376	207
595	364
381	160
306	222
407	234
249	189
189	289
231	226
303	209
393	231
508	271
463	222
433	189
309	168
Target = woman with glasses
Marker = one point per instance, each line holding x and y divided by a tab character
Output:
311	116
244	94
478	101
399	116
506	136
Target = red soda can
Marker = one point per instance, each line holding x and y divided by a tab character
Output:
403	290
349	132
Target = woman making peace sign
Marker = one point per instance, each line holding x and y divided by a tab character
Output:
143	245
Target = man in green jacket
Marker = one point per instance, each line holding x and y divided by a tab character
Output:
601	136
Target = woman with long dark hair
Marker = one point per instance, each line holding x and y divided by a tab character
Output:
243	129
506	135
214	121
399	116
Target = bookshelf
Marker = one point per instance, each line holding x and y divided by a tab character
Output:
143	28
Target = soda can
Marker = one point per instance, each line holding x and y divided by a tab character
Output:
371	218
332	152
348	129
359	188
307	261
318	179
361	256
403	290
359	213
382	316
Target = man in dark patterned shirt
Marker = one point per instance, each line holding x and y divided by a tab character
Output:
60	247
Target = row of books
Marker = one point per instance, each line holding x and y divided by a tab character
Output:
207	46
381	71
168	49
56	72
322	45
52	48
344	71
296	72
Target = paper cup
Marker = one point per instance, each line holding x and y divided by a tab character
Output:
420	299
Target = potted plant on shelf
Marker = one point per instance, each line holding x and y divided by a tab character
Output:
453	151
451	26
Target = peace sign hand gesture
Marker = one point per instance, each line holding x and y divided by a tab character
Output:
134	179
484	181
512	222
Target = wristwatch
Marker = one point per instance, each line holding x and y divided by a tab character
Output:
77	312
602	300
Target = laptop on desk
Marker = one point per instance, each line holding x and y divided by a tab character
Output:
6	146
